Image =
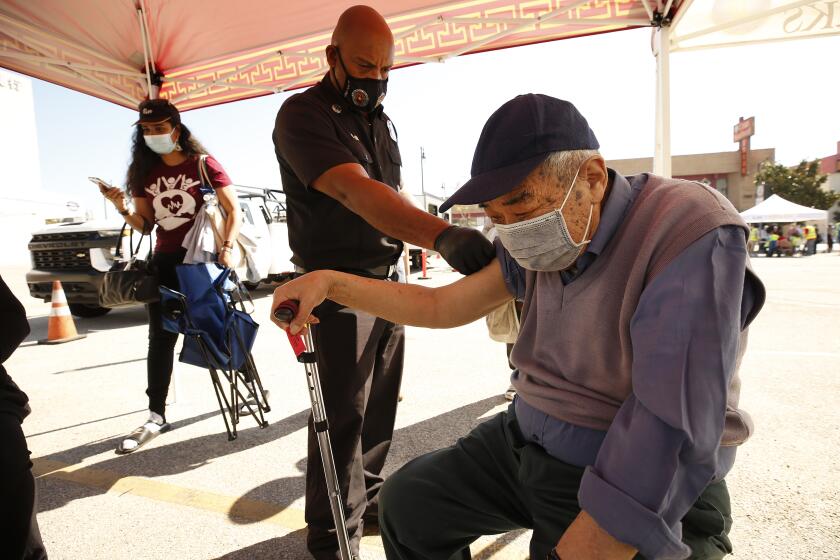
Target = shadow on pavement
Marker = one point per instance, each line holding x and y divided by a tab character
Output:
174	458
409	442
97	366
116	319
29	436
287	547
266	499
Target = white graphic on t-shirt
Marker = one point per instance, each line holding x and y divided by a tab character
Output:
173	205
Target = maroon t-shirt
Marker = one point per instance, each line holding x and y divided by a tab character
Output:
174	192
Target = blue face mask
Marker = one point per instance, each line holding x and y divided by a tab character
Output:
544	243
161	144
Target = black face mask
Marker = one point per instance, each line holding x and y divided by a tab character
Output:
365	94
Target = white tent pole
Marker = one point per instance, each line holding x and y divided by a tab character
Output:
232	85
677	48
147	35
148	53
151	91
648	9
418	59
106	85
224	80
53	40
74	72
530	21
684	7
38	59
662	152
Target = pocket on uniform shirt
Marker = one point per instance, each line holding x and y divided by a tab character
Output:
394	153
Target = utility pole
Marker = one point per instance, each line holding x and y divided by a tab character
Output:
422	183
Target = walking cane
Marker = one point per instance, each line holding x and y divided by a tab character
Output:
304	348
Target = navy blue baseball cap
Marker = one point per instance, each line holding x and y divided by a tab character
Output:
517	138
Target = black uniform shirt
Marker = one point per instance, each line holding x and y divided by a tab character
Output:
315	131
14	329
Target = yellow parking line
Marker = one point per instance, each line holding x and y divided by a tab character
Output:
116	483
290	519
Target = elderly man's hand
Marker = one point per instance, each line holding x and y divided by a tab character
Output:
309	291
465	249
586	540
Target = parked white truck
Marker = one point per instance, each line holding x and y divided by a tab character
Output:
80	253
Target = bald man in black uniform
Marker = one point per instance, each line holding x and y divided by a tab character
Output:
340	165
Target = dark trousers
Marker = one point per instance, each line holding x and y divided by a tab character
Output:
161	354
360	361
20	538
492	482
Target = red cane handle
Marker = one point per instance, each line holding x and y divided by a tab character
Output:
286	311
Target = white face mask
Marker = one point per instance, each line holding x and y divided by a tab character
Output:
544	243
161	143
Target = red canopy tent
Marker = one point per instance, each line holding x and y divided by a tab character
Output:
199	53
206	52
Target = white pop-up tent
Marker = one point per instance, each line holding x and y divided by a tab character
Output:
778	210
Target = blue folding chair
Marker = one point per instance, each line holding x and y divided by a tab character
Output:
219	334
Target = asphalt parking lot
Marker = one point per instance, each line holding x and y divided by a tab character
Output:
191	494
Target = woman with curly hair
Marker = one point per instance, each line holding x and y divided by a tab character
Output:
164	181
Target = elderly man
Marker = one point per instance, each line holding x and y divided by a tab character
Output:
340	166
637	295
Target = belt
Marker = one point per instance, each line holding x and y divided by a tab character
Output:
380	272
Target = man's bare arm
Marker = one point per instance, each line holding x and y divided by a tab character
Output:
449	306
586	540
380	206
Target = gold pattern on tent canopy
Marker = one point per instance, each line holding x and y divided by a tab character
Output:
206	52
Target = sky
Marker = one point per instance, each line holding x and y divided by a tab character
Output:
791	88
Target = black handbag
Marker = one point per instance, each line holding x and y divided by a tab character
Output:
131	281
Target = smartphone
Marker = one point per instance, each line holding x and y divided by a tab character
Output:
103	185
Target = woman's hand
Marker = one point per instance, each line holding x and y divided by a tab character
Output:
116	196
226	257
309	291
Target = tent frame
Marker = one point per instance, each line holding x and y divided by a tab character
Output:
34	45
150	80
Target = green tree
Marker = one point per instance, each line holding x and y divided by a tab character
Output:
800	184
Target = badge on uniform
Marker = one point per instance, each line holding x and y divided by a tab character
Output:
336	108
391	130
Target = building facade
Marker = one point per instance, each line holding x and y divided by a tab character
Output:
720	170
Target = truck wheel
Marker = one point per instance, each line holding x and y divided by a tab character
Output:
87	311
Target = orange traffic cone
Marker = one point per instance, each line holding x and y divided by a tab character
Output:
60	327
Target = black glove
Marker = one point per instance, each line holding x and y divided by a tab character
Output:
465	249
